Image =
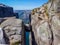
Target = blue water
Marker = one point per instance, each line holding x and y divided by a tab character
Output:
27	38
25	18
26	33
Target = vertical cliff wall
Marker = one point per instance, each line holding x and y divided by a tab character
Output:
45	22
6	11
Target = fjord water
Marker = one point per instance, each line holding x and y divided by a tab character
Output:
26	33
27	38
24	15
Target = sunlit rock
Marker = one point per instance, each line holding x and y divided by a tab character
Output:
46	24
13	31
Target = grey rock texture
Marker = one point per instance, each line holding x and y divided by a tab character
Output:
13	31
30	39
2	41
45	22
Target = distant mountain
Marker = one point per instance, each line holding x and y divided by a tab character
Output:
23	14
28	11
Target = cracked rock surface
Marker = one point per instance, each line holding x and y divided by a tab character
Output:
13	30
45	22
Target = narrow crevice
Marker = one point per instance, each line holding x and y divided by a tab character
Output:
33	37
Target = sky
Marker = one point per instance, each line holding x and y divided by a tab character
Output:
23	4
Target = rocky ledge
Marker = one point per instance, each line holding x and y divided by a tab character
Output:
45	22
13	30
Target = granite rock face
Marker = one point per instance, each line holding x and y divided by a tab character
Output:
40	26
55	21
13	31
30	39
45	22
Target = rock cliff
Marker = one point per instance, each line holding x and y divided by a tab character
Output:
6	11
13	30
45	22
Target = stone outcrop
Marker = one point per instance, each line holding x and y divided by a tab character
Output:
6	11
40	26
30	39
45	22
13	30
